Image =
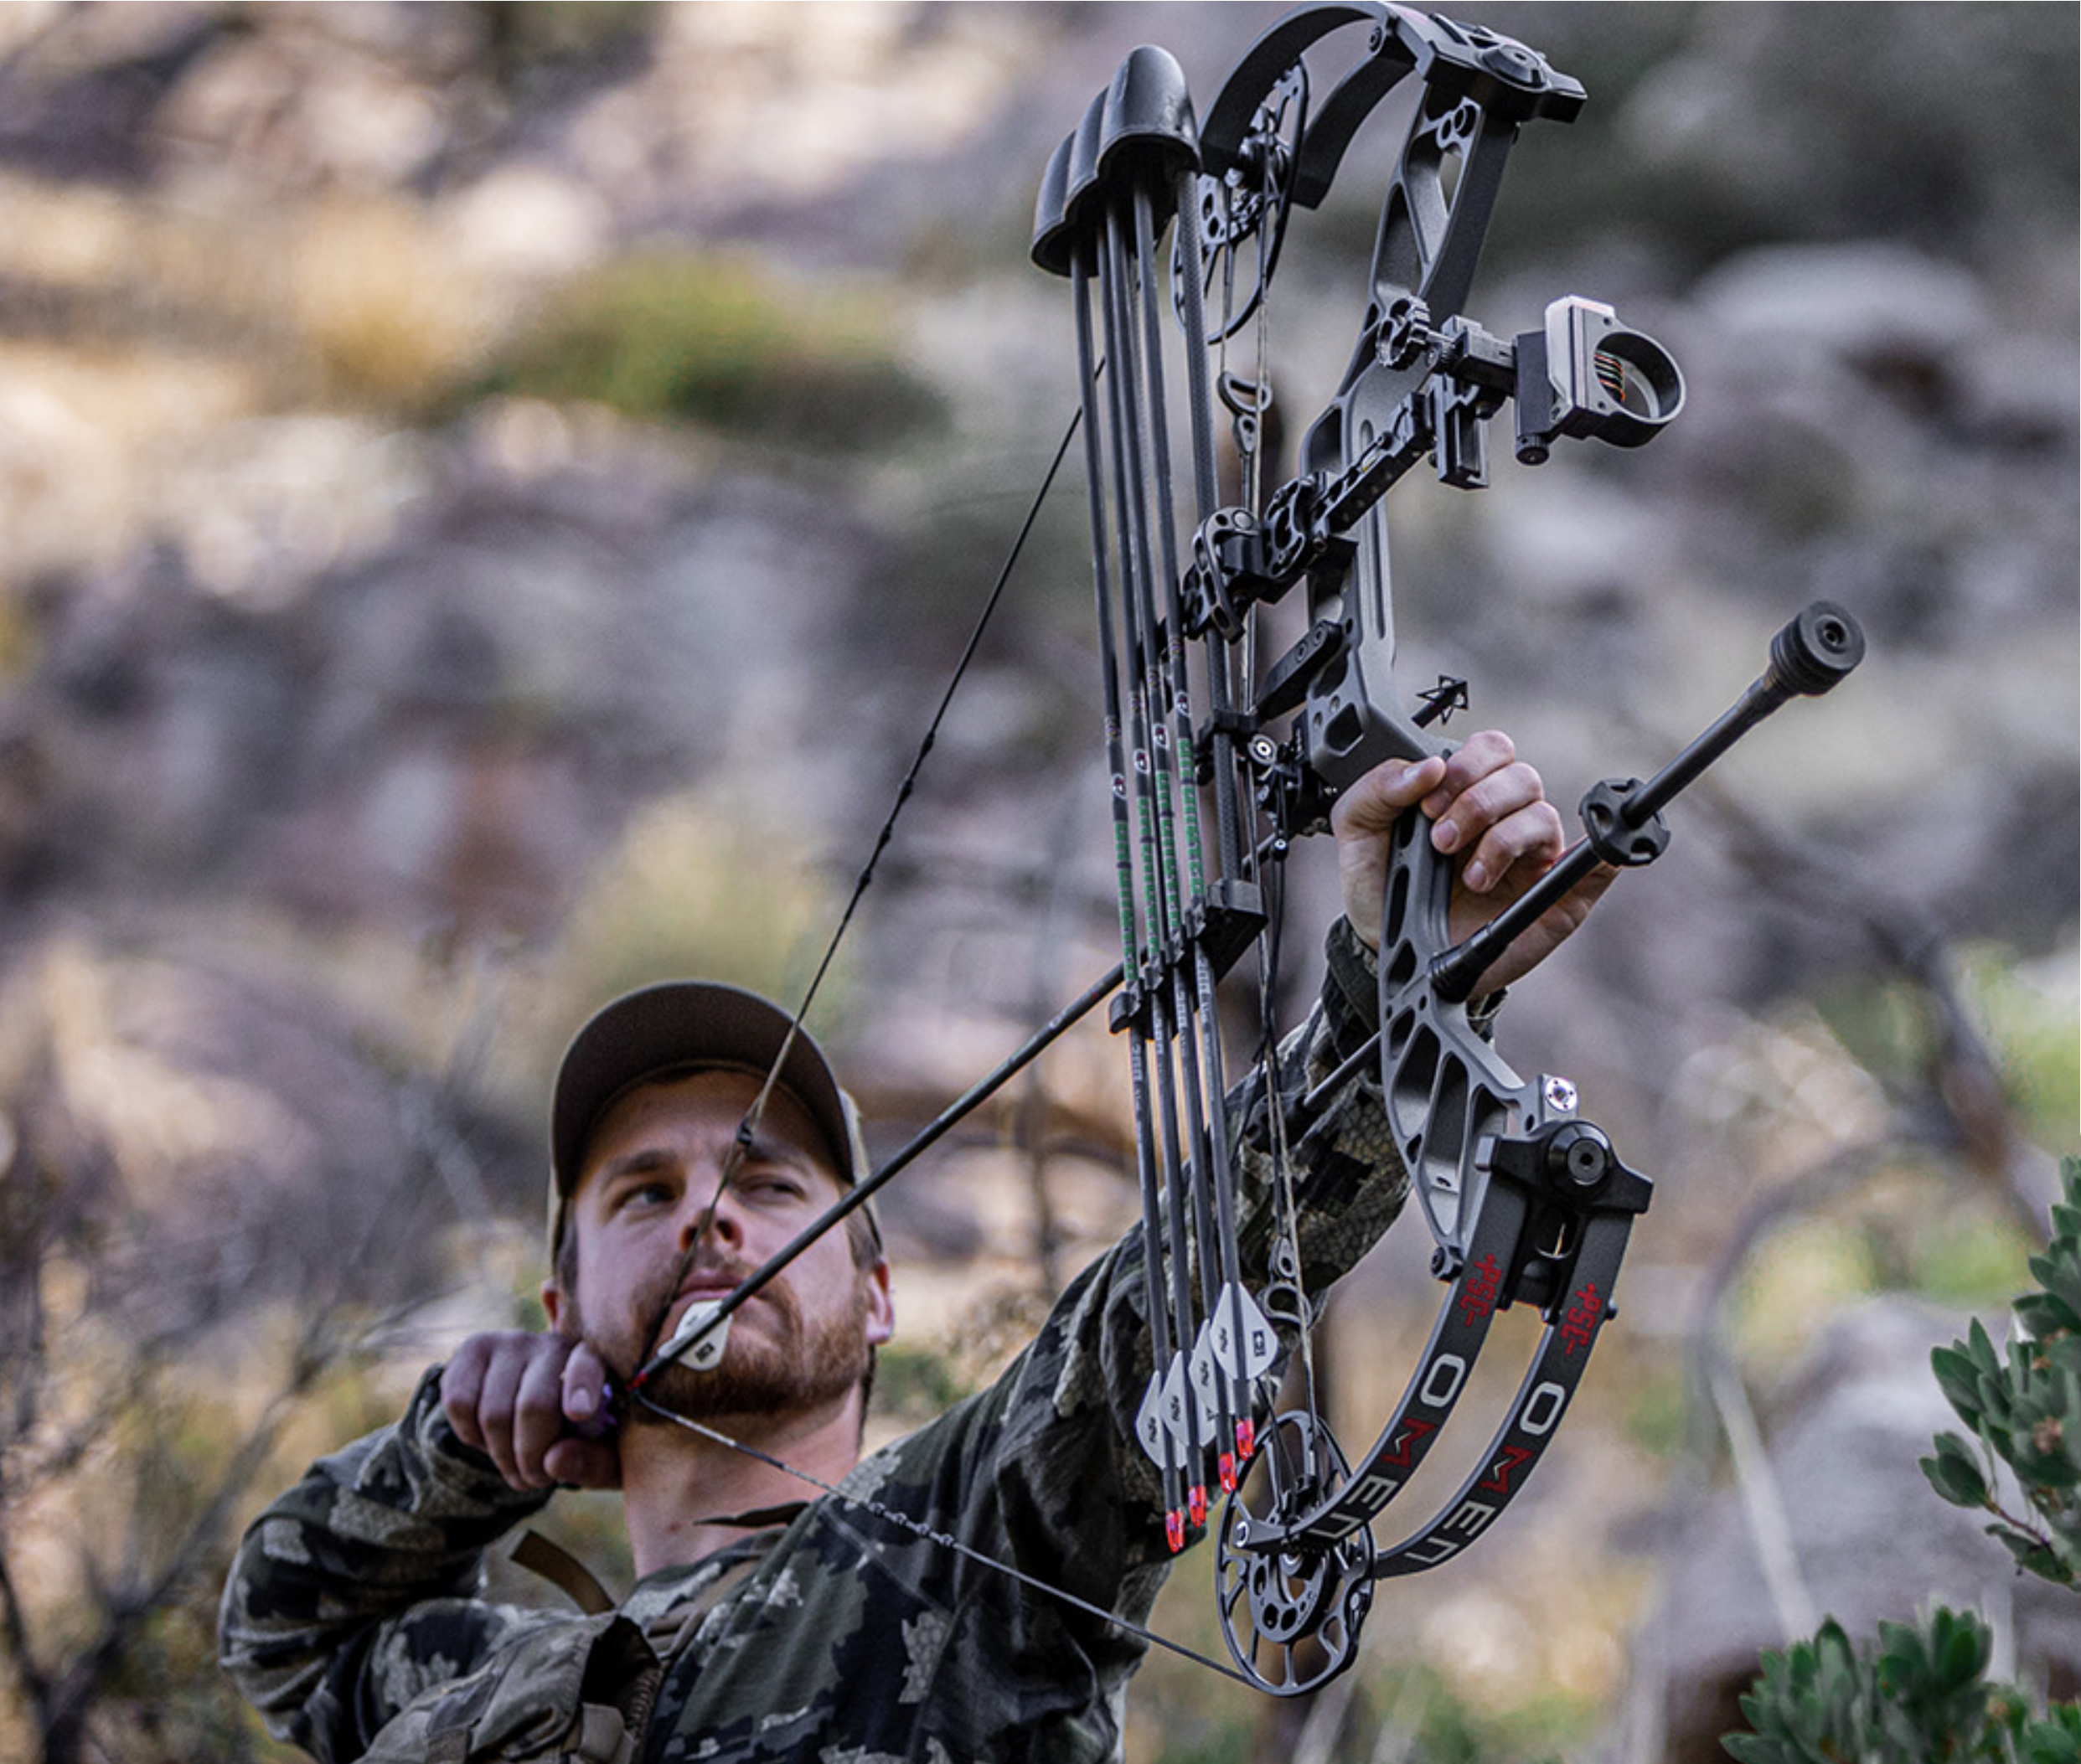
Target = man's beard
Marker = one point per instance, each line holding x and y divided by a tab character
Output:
782	1366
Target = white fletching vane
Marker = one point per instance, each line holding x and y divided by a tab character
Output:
1150	1428
1260	1343
709	1349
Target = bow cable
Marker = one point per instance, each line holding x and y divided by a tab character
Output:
1272	210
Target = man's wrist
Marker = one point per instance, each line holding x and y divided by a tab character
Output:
1353	994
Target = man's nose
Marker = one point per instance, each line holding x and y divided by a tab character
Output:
710	1212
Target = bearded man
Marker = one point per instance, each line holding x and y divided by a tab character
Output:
877	1620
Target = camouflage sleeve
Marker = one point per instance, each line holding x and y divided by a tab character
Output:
1347	1180
361	1586
1078	1502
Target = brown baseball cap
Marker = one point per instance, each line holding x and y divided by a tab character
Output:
689	1025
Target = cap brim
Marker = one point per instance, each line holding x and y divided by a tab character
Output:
688	1024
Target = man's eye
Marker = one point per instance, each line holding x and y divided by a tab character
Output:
777	1184
642	1194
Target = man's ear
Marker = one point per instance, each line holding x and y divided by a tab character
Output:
881	1305
553	1305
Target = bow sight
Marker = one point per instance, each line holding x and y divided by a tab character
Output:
1527	1203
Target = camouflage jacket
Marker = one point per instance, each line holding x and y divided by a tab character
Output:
842	1637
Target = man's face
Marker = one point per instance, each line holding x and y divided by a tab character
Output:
650	1172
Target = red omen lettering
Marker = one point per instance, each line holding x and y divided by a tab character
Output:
1498	1480
1411	1435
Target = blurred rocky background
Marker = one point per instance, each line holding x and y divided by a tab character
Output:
488	494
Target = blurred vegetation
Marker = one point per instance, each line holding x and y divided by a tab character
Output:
2023	1411
531	41
390	321
702	886
1718	179
1894	1029
689	337
1921	1693
914	1382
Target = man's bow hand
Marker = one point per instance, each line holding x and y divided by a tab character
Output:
1489	809
528	1403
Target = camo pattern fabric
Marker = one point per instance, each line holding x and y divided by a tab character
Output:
857	1633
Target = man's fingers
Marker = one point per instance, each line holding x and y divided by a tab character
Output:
1438	785
586	1456
584	1388
1530	835
1491	804
1489	814
1372	803
507	1395
463	1387
538	1417
495	1406
584	1464
1480	757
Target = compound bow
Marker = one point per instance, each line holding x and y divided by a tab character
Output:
1527	1202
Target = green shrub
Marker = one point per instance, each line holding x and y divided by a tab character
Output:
1922	1693
677	337
2022	1407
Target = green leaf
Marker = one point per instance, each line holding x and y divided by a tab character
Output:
1922	1695
2060	1275
2056	1740
1958	1378
1955	1473
2033	1554
1963	1645
2044	1316
1980	1346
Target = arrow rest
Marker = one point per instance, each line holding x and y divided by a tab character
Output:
1527	1203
